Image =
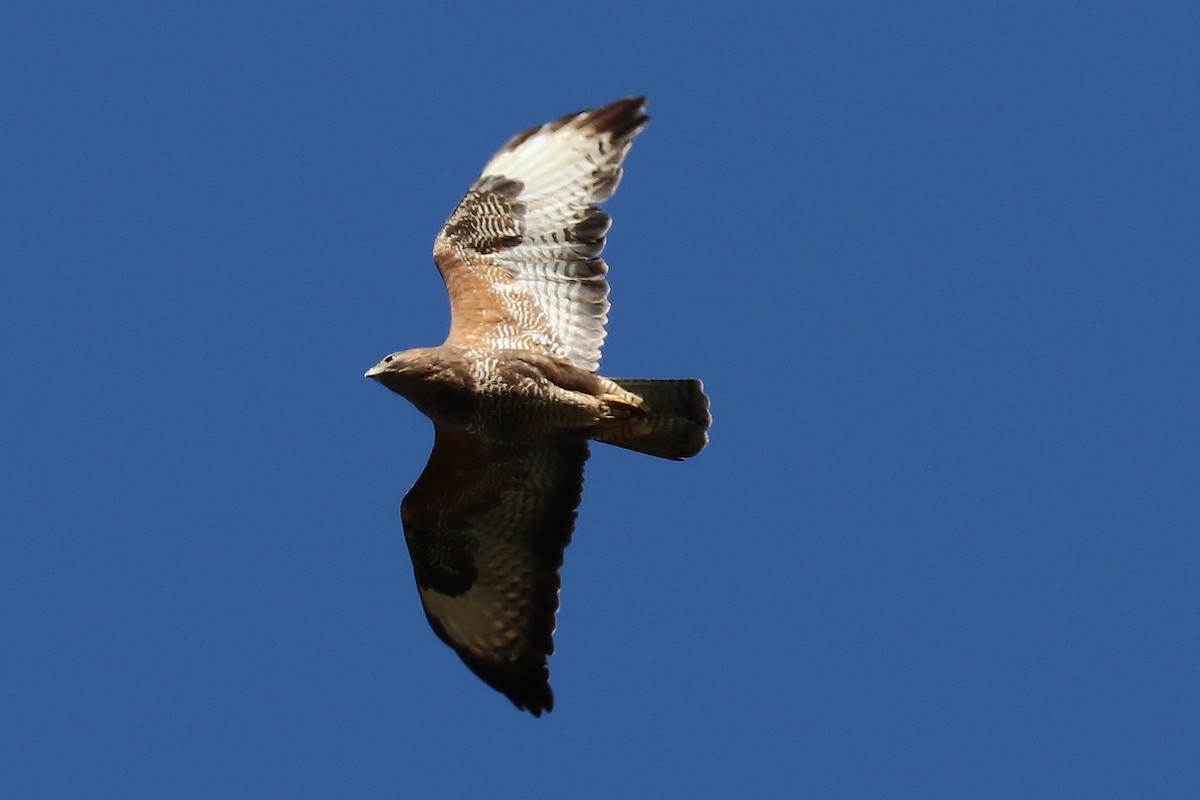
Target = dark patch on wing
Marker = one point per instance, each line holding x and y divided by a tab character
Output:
590	230
489	217
443	561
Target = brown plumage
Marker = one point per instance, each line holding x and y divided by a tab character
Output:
514	396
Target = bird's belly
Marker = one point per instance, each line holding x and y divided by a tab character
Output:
531	405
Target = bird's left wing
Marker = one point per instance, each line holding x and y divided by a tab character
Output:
486	525
520	255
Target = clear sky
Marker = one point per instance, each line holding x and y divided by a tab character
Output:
937	264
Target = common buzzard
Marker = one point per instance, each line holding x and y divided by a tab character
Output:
514	396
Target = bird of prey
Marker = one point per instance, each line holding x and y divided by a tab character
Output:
514	396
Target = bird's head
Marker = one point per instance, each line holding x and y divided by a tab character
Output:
403	370
396	366
393	363
428	377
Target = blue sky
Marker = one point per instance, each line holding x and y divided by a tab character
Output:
936	263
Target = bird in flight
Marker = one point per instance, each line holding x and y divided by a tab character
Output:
515	399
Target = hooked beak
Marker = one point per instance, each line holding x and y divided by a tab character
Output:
375	371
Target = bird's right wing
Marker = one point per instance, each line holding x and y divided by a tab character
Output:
486	526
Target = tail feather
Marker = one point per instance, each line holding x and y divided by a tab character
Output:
672	424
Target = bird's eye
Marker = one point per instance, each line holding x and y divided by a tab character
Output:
387	360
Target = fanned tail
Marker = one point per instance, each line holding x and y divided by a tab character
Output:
674	423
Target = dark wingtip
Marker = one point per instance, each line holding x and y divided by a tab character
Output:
544	702
528	692
622	118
